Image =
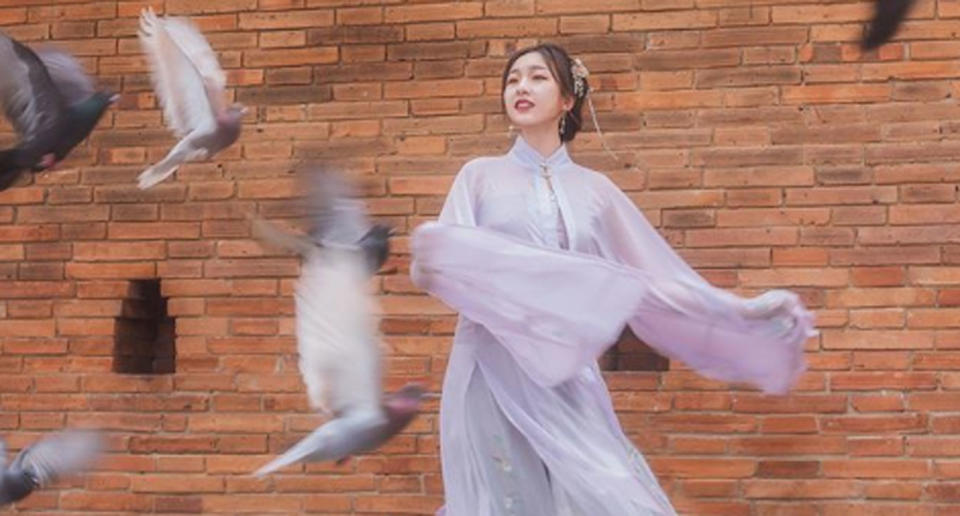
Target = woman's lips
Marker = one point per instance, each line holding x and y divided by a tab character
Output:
522	105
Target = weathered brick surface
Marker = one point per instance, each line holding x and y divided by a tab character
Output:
766	146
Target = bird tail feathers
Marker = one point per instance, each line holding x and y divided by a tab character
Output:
354	431
297	453
157	173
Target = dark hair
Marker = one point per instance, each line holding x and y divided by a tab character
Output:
561	67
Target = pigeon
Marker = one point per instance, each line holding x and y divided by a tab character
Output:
886	19
190	86
51	103
44	462
340	358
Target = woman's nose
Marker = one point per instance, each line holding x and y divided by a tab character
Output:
523	86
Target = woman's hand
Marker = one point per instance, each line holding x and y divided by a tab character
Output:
774	304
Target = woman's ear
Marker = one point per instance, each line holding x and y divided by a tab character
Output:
568	103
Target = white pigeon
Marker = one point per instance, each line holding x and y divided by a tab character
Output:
190	86
340	357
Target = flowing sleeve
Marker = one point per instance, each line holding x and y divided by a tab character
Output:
458	208
553	320
756	340
556	311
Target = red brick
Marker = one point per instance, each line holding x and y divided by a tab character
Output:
878	468
288	57
707	468
800	489
835	93
877	381
584	24
433	12
516	28
80	501
176	484
754	36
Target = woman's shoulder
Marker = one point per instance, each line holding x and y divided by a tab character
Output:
476	167
481	162
594	177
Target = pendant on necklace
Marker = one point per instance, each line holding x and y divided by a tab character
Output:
545	173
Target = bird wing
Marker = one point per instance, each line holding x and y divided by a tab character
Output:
269	233
67	74
337	217
30	100
184	70
337	332
53	457
336	329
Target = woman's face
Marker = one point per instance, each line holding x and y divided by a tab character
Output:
532	96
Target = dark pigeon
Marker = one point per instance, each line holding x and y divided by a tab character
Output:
44	462
338	218
888	14
51	104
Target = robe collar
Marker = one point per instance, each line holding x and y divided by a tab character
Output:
526	155
531	159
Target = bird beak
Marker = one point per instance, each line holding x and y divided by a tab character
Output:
114	98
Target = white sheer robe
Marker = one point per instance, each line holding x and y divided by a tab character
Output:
547	261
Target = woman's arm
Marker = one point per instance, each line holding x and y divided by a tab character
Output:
757	340
557	311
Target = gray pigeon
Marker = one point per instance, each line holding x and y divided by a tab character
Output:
191	86
888	14
51	103
42	463
340	358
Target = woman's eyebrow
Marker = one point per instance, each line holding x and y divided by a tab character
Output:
528	67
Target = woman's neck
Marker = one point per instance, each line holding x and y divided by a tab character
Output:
544	142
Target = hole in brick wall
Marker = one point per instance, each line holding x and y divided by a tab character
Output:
144	336
632	354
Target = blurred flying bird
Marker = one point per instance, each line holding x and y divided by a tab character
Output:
44	462
340	357
190	86
886	20
51	104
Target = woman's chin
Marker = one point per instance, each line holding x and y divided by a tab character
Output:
529	124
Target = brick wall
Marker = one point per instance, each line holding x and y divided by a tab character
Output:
753	133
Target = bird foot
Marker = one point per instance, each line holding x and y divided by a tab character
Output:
48	161
343	460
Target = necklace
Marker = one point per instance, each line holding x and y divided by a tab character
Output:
545	174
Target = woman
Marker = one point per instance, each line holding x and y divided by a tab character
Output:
547	261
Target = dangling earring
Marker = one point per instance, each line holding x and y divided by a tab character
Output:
511	131
563	124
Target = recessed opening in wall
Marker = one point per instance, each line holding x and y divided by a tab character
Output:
632	354
144	338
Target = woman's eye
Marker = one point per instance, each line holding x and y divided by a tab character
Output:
539	77
512	80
